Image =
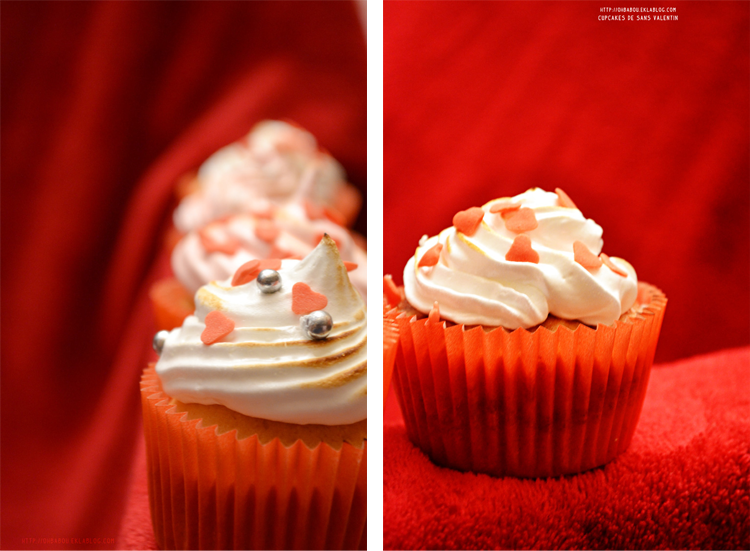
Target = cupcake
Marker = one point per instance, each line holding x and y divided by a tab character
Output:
524	350
266	168
255	415
217	250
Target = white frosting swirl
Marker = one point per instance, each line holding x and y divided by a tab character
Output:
269	166
266	367
474	284
194	266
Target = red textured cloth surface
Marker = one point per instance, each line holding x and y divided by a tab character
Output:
104	106
645	124
684	483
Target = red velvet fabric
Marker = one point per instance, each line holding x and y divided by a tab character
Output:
104	106
682	484
645	124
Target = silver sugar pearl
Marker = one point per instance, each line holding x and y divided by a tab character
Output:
317	325
159	339
269	281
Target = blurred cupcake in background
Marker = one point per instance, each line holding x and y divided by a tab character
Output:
266	168
271	195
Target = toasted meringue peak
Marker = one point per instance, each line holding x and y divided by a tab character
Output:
324	264
267	367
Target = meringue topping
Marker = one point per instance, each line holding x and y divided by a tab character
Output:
267	367
267	167
519	265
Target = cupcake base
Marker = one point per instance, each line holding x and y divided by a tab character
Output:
217	491
526	403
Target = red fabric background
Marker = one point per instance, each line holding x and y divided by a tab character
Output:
104	106
645	124
682	484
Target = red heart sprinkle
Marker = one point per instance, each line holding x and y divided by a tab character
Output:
609	264
305	300
267	231
467	221
392	293
585	257
431	257
250	270
521	251
434	316
218	326
504	207
350	265
507	214
246	273
521	220
564	200
229	246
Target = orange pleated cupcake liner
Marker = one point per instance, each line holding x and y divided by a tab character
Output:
171	303
209	491
526	403
390	344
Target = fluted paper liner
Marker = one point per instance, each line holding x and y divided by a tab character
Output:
527	403
390	344
209	491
